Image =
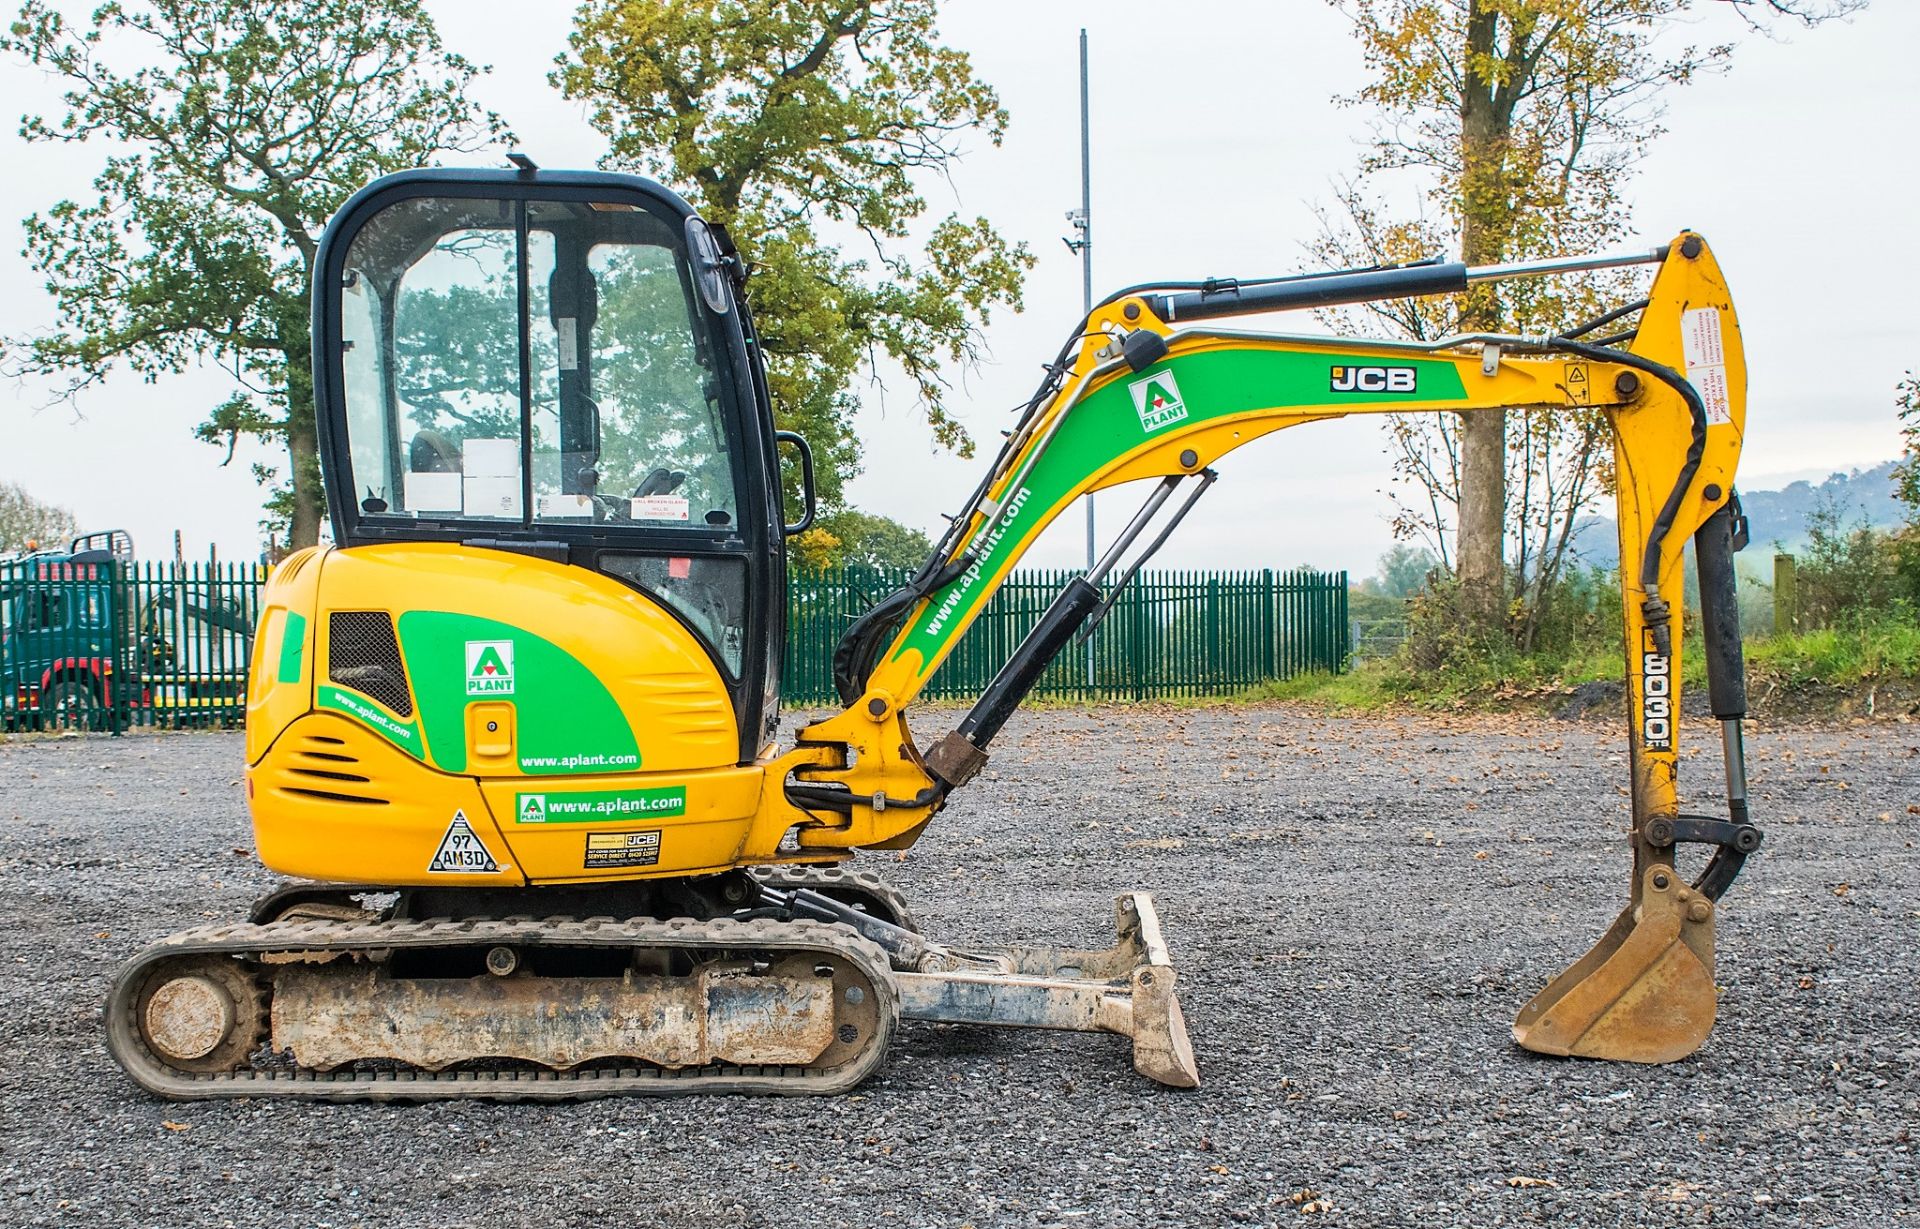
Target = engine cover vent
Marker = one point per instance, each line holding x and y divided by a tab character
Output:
362	653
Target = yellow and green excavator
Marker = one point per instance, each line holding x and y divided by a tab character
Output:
516	734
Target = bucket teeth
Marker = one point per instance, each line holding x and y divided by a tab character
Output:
1644	994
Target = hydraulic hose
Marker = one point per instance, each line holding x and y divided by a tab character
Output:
1658	614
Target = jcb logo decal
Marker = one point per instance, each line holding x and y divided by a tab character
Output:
1374	379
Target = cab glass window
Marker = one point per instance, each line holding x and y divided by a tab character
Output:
528	361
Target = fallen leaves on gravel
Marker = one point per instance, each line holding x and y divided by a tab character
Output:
1310	1202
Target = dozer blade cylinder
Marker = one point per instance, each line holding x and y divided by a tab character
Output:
1644	994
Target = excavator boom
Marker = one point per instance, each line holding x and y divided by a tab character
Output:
1148	398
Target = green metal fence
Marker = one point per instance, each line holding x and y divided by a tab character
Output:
109	644
113	644
1170	634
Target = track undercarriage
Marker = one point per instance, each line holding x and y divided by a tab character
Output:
785	980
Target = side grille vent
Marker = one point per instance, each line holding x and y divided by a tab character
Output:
363	654
325	770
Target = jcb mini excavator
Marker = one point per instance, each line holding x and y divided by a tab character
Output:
516	733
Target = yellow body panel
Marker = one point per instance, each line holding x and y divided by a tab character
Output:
564	832
665	685
283	645
606	708
333	800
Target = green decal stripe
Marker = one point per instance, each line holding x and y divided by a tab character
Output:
293	647
1105	428
402	734
565	719
598	806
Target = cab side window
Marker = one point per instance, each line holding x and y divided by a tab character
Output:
44	611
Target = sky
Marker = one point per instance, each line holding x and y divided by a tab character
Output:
1215	135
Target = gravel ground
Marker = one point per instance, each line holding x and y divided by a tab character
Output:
1358	906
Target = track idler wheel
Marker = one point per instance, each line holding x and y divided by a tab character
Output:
1644	994
201	1015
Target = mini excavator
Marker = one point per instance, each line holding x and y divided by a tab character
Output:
516	734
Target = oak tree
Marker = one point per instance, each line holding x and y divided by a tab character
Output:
800	124
849	537
237	129
1523	121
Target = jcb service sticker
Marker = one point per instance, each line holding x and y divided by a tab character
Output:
611	849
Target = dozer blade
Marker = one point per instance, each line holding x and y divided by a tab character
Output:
1126	989
1644	994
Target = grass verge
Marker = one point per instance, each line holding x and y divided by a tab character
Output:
1819	668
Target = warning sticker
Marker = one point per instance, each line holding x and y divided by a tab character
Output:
1579	388
605	849
1706	355
659	508
462	852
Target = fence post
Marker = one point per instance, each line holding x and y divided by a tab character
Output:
1267	646
1213	670
1786	596
1344	647
1137	624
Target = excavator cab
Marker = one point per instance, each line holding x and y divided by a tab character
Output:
559	365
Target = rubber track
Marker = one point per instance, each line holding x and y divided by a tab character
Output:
244	939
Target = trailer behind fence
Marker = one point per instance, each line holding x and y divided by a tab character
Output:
90	640
93	641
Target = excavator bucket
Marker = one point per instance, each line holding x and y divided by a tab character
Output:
1644	994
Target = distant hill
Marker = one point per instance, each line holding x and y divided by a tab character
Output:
1776	516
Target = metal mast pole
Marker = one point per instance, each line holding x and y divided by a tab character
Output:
1085	226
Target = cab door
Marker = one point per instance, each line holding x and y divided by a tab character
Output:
557	364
